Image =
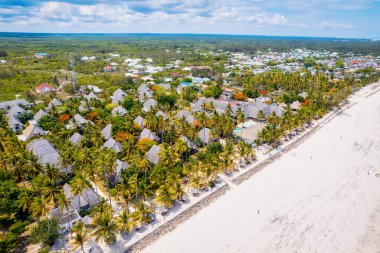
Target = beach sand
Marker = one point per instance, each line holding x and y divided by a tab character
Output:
322	196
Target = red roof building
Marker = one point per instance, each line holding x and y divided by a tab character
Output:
44	87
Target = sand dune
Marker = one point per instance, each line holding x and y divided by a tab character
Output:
320	197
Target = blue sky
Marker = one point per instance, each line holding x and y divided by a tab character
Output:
327	18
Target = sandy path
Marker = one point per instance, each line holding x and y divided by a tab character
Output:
320	200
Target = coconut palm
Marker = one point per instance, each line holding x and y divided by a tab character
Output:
142	213
52	173
50	192
166	195
39	207
260	116
80	184
105	229
80	235
125	222
62	201
100	209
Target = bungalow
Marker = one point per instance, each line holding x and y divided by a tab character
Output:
31	131
107	132
204	135
295	105
147	134
44	87
83	107
86	58
189	143
153	155
147	78
118	96
108	69
113	145
139	121
166	86
186	115
16	111
142	88
14	123
228	92
75	138
262	99
66	219
249	133
80	121
39	115
273	108
251	111
120	166
81	202
144	95
119	110
78	203
92	88
41	55
9	104
161	114
219	105
91	96
149	104
54	102
46	154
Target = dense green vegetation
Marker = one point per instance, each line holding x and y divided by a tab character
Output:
28	191
24	72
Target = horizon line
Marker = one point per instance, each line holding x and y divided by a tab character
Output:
203	34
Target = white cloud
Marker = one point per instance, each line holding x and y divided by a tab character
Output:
329	25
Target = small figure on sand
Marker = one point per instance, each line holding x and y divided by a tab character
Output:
258	211
368	172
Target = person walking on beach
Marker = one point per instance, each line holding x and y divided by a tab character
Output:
258	211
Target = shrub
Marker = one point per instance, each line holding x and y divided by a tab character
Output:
240	97
46	232
64	117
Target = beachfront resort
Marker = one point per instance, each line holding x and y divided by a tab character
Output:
104	165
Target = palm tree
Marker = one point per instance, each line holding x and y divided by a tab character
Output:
39	207
261	116
105	229
25	200
80	235
53	173
178	190
62	201
180	147
79	184
145	190
166	195
99	210
142	213
125	222
240	116
50	192
241	149
107	165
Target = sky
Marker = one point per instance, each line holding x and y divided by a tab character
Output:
317	18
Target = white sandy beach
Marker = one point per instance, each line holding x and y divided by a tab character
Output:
320	197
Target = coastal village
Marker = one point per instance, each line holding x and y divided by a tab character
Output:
113	164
